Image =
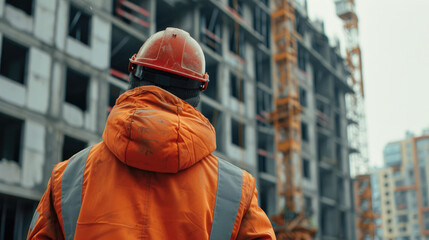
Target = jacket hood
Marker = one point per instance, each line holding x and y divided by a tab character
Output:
153	130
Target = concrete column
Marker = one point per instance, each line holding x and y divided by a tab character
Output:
33	154
100	43
44	20
38	81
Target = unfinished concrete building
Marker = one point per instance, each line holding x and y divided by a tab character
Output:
64	63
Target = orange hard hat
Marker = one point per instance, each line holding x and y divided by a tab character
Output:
175	51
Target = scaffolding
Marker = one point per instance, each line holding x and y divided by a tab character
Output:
292	222
363	204
355	102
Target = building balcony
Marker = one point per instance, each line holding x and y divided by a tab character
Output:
353	147
344	9
322	119
211	40
235	16
266	162
135	15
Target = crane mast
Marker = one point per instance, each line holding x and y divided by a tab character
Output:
356	131
291	223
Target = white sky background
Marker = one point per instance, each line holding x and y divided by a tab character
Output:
394	38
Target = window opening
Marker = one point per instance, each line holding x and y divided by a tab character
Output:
215	117
339	157
211	30
13	60
237	87
328	214
72	146
10	138
8	218
261	24
323	114
122	47
306	168
77	89
300	25
333	58
262	63
302	65
303	97
324	148
304	132
24	5
308	206
321	83
343	230
337	96
236	41
236	128
79	25
114	93
263	107
341	191
212	89
15	217
266	161
337	125
264	199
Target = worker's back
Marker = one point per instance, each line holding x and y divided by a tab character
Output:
153	177
126	202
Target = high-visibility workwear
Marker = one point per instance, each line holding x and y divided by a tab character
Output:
152	177
174	51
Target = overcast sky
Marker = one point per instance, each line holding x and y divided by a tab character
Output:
394	37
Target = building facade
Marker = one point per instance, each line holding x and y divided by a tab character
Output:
64	62
404	200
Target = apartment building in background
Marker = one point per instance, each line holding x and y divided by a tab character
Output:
64	62
403	205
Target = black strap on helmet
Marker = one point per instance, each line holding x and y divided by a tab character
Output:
165	79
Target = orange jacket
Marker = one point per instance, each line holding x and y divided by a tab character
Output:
153	177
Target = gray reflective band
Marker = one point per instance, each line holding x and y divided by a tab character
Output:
228	196
71	192
34	220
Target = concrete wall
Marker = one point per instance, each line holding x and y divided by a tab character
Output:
39	102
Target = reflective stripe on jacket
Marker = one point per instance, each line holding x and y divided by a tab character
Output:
153	177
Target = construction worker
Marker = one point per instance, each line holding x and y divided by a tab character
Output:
153	176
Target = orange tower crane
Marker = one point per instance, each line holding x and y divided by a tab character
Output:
291	223
357	130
